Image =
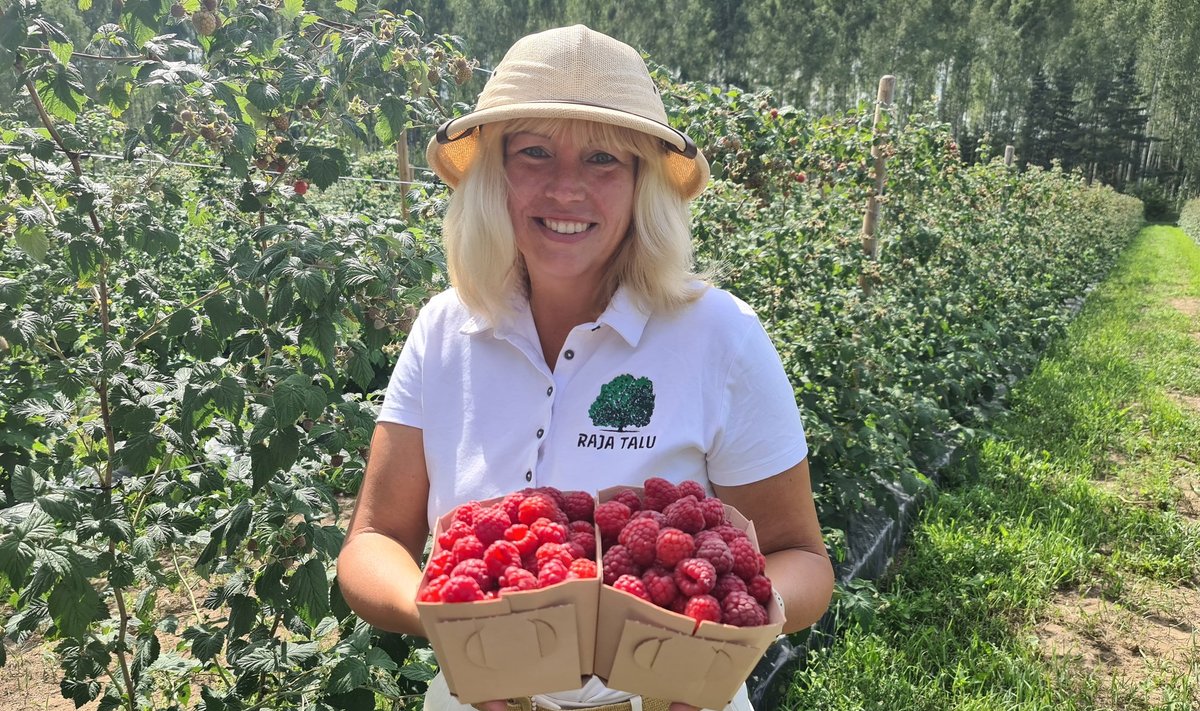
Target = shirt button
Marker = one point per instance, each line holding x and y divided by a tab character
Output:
529	476
569	355
541	432
549	391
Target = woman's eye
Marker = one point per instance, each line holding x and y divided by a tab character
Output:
534	152
604	158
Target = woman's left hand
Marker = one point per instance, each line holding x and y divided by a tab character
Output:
680	706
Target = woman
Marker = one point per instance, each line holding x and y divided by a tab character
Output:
568	243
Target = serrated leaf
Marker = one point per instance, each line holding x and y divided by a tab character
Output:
223	316
348	675
350	6
309	591
74	605
391	118
265	97
418	672
376	657
359	368
34	242
324	165
291	9
206	641
318	338
238	526
229	397
260	658
62	51
24	484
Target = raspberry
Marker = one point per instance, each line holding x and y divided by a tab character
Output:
660	585
548	531
640	537
747	562
653	515
536	506
692	488
582	568
553	572
679	604
519	534
632	585
695	576
440	564
554	551
658	493
714	512
703	607
760	589
500	556
742	610
556	495
578	505
467	547
630	498
618	562
475	568
461	588
432	592
490	524
577	550
586	542
457	530
714	550
581	527
730	533
726	584
685	514
611	517
466	512
673	546
705	535
512	505
517	578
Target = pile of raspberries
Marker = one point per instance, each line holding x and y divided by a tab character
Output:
674	547
530	539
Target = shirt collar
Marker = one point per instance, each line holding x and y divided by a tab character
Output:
622	316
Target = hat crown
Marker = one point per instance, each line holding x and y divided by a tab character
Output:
574	64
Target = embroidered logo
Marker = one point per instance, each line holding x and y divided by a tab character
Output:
623	402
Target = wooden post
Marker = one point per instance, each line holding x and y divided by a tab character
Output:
1009	153
404	170
887	87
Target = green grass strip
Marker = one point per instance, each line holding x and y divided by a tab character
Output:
1074	492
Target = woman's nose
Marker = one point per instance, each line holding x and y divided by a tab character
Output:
565	181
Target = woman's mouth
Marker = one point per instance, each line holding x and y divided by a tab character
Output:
565	227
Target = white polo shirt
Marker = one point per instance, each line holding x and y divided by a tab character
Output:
698	394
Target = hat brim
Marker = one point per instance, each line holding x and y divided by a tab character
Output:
450	152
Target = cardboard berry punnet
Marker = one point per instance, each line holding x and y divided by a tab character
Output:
645	649
519	644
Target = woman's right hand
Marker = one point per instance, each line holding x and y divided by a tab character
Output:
491	706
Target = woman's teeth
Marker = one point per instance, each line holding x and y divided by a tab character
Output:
566	228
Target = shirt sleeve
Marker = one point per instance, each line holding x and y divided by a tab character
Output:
761	433
403	398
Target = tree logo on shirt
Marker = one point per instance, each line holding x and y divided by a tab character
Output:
623	402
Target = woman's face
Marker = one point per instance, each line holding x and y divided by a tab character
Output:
571	203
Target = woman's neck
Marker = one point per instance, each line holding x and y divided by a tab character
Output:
557	311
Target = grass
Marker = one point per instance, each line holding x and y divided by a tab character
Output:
1058	567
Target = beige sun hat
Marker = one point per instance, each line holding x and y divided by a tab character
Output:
570	73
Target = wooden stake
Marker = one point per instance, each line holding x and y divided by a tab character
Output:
404	170
887	87
1009	153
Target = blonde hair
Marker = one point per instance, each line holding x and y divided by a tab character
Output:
653	262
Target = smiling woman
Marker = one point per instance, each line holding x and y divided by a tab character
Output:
569	246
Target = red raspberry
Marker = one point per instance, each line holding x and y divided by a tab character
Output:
632	585
685	514
548	531
747	562
577	550
760	589
618	562
500	556
466	512
679	604
530	563
586	542
554	551
490	524
578	505
703	607
673	546
714	550
660	585
581	527
714	512
475	568
730	533
706	534
653	515
630	498
553	572
691	487
457	530
517	578
512	505
467	547
519	534
695	576
582	568
556	495
432	591
440	564
537	506
658	493
640	537
742	610
611	517
726	584
461	588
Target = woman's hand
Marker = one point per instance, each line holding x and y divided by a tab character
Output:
491	706
680	706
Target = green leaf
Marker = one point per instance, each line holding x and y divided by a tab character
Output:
74	604
348	675
309	591
206	641
376	657
350	6
261	657
84	5
324	165
34	242
391	118
230	397
223	315
62	51
24	484
265	97
359	368
318	338
255	305
238	526
13	32
291	9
